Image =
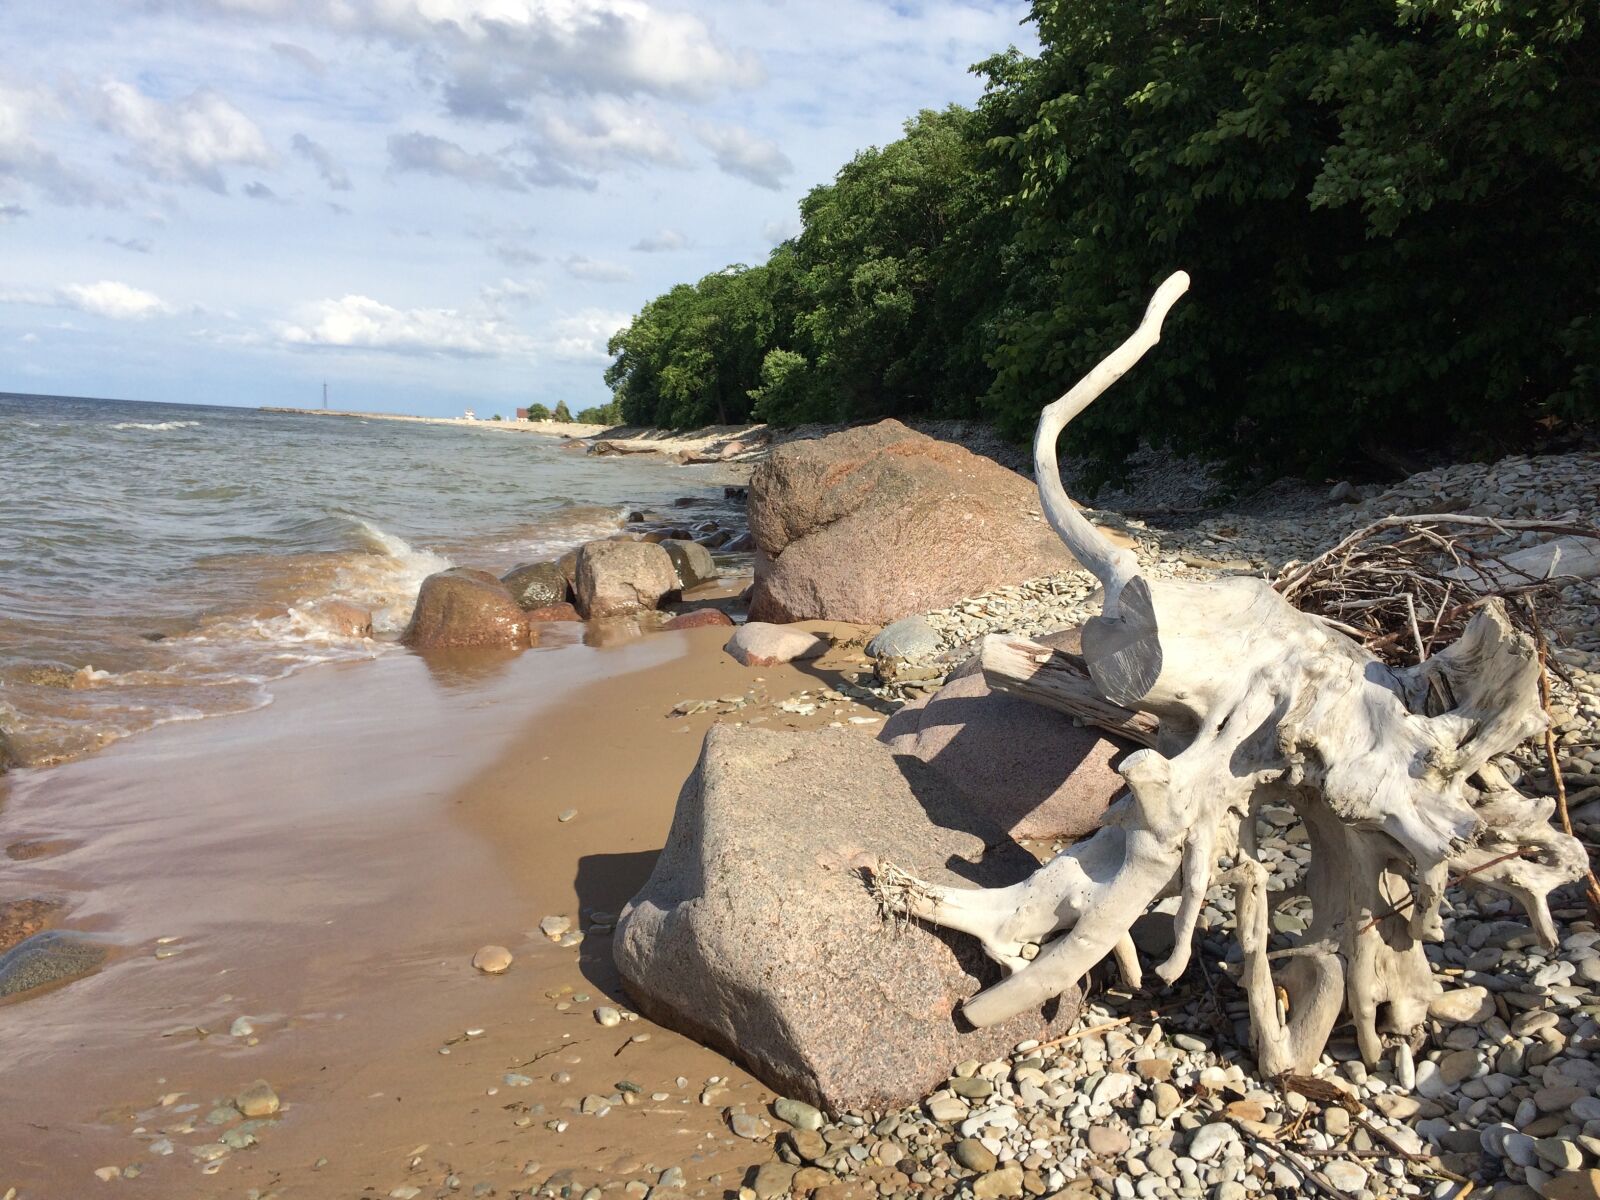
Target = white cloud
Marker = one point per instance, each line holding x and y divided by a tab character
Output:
737	151
319	156
301	57
362	323
116	301
582	337
662	241
24	162
186	141
509	293
437	156
609	132
580	266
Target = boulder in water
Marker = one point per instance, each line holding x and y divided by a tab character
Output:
618	578
698	618
55	956
537	585
757	933
692	562
462	607
554	612
343	618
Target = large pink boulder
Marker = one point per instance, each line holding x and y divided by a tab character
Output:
618	578
874	523
463	607
1034	772
757	933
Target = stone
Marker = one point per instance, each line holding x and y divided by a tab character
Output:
808	1144
1347	1176
827	1005
758	644
257	1100
973	1155
1006	1182
554	612
1167	1099
797	1113
1572	1185
876	522
492	960
615	579
1107	1140
1463	1006
692	562
909	637
553	927
1031	768
607	1016
465	608
51	957
772	1180
1209	1140
536	585
1461	1065
342	618
1558	1154
699	618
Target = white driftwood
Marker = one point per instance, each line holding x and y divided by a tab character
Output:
1561	558
1392	772
1058	680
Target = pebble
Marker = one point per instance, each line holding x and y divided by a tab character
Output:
973	1155
492	960
257	1100
555	928
566	815
797	1113
608	1016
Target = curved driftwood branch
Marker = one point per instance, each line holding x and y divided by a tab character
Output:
1394	773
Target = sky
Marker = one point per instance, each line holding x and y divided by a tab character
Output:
427	204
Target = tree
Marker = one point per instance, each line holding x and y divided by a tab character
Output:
538	412
562	413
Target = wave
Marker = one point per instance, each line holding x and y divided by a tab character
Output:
156	426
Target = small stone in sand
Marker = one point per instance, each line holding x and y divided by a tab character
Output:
607	1016
554	927
566	815
257	1100
492	960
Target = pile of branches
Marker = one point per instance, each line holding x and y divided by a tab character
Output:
1404	586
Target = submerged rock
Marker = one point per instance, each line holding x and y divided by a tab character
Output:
554	612
698	618
536	585
758	644
462	607
45	958
757	933
617	578
343	618
876	522
692	562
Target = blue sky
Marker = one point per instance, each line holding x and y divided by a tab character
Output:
427	203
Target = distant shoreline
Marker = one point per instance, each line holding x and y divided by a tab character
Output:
564	429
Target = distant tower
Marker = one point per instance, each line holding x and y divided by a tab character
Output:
324	393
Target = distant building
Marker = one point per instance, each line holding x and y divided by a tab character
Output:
469	415
522	414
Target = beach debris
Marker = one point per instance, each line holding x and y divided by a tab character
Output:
1396	773
257	1100
492	960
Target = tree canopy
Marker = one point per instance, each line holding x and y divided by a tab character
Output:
1390	210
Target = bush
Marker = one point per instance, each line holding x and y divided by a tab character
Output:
562	413
538	412
604	414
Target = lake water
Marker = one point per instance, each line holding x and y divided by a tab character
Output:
163	562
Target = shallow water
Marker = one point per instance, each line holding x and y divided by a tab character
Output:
162	562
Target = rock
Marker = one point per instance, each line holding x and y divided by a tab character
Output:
1005	1182
1167	1100
758	644
608	1016
797	1113
691	561
1034	771
1347	1176
342	618
876	522
1209	1140
973	1155
1572	1185
1461	1065
553	612
1463	1006
536	585
1558	1154
909	637
1344	492
45	958
698	618
257	1100
808	1144
554	927
492	960
782	824
21	919
1108	1141
615	579
462	607
772	1180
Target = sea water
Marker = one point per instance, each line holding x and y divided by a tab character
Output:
163	562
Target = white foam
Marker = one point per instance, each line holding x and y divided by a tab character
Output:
387	582
156	426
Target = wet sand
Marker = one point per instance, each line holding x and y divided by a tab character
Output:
327	867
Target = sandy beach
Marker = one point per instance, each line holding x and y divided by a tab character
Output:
345	853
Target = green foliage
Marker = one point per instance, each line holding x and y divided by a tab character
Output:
495	417
602	414
562	412
1390	210
538	412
